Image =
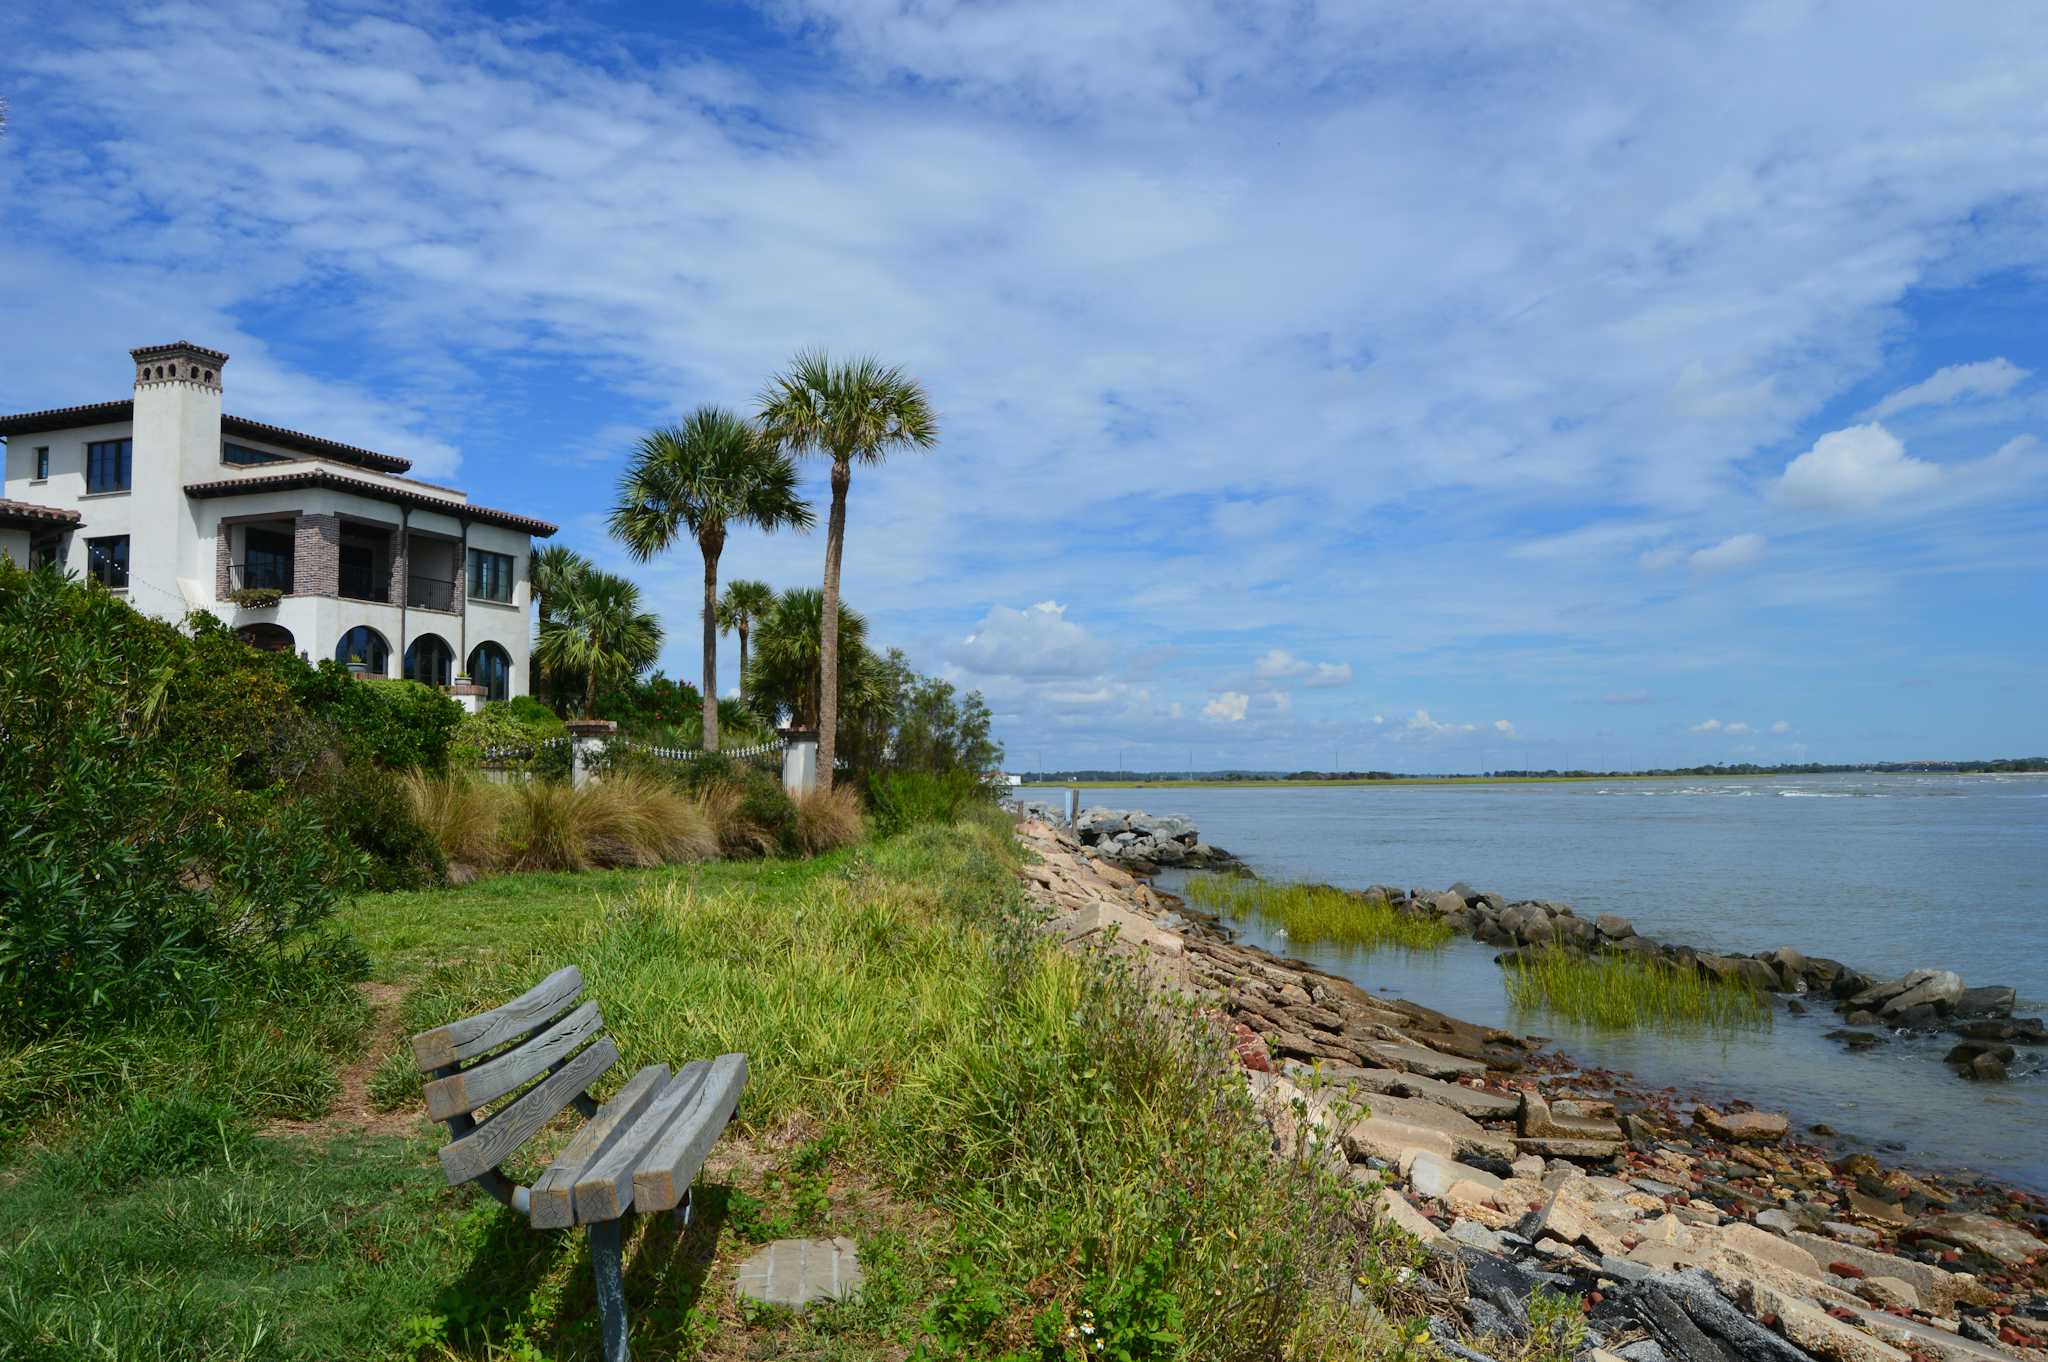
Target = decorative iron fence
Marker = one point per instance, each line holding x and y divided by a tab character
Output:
765	755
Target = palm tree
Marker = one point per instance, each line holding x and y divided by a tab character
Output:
745	601
712	472
855	412
551	572
597	629
787	673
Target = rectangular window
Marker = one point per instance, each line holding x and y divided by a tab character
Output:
107	465
42	462
107	561
267	559
490	575
242	456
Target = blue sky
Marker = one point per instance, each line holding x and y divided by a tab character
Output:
1414	387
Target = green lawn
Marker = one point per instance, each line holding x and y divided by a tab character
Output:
1018	1143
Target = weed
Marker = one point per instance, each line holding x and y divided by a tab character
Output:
1620	992
1314	914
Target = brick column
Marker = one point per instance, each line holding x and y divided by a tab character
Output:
223	556
316	555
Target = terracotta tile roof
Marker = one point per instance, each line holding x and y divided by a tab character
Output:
400	496
28	513
105	413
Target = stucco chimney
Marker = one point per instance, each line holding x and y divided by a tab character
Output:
177	412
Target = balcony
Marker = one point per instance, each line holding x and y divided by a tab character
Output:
262	575
365	582
431	593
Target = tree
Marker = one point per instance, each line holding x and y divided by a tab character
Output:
710	473
744	602
787	672
850	412
599	632
552	571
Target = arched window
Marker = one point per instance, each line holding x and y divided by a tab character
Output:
266	638
490	666
364	644
429	659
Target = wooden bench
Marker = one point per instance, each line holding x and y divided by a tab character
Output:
638	1152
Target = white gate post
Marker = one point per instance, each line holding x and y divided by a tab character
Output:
799	761
587	738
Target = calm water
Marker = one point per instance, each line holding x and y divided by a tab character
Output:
1886	873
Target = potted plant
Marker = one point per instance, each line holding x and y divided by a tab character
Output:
358	666
256	597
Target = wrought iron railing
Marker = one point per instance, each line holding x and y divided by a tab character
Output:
360	583
429	593
261	575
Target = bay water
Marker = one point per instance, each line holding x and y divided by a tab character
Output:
1887	873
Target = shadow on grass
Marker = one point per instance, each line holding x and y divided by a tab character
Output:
503	1294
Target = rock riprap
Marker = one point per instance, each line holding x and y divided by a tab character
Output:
1147	842
1686	1233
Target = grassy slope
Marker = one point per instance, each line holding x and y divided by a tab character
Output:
1010	1139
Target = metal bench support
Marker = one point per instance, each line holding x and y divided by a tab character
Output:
606	1253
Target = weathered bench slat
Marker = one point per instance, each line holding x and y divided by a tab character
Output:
554	1195
491	1143
604	1191
487	1082
451	1044
670	1164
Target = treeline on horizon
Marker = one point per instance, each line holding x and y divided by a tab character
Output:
1996	766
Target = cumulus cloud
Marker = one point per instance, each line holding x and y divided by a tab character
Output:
1656	560
1504	726
1280	665
1037	642
1854	469
1281	702
1421	725
1781	727
1706	726
1955	383
1738	729
1738	550
1227	708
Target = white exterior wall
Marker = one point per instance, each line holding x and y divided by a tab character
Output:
173	539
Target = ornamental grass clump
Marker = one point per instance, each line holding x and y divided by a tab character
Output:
1317	914
1616	992
829	819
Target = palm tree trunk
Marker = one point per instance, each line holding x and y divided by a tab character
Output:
828	627
743	656
713	545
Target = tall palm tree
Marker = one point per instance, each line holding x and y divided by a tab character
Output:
744	602
704	476
787	673
598	630
850	412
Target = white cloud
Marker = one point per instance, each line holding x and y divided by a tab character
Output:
1737	550
1656	560
1626	697
1781	727
1280	665
1854	469
1421	725
1504	726
1228	708
1281	702
1955	383
1738	729
1706	726
1036	642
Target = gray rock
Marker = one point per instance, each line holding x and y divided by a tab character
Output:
1474	1235
1776	1220
1614	927
1994	1000
794	1272
1527	923
1938	990
1643	1350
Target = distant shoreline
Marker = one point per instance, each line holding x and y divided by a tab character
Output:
1283	783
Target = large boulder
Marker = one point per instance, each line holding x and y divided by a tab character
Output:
1987	1235
1740	969
1992	1000
1742	1127
1527	923
1939	989
1613	926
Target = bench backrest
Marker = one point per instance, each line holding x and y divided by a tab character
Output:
470	1064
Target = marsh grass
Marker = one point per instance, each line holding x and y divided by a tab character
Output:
1316	914
626	819
827	820
1615	992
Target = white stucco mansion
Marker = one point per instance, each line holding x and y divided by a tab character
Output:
162	497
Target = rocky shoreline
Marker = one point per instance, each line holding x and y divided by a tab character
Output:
1688	1233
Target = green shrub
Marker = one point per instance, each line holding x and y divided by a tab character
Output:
373	811
135	873
501	725
901	800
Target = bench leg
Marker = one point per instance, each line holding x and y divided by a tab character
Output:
606	1242
681	1214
